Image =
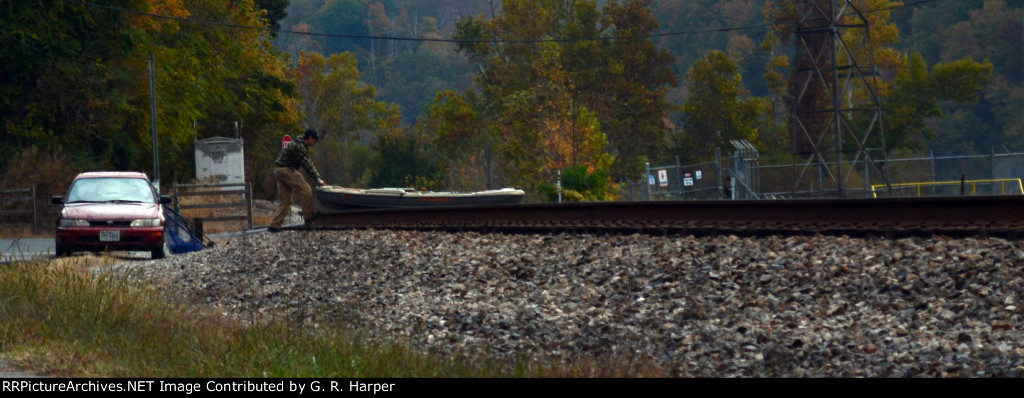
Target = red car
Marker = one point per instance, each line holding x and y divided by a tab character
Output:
111	210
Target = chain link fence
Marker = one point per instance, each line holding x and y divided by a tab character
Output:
740	176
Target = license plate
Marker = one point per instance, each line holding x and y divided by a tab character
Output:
110	236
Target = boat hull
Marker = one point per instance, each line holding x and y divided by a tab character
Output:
345	199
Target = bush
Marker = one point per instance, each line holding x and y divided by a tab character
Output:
581	185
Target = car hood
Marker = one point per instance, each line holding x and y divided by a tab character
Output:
111	211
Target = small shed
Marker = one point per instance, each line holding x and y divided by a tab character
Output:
220	160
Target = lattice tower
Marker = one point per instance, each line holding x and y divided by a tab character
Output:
836	119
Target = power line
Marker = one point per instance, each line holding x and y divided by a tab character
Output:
419	39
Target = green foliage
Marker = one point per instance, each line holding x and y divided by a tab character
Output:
462	140
917	95
947	35
556	104
628	91
63	84
345	165
719	110
76	81
337	102
703	21
346	112
275	12
581	185
401	160
990	30
406	73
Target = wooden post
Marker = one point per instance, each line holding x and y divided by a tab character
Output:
177	200
197	224
248	201
35	211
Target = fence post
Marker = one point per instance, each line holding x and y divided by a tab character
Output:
822	166
35	211
647	178
993	164
932	153
679	178
718	170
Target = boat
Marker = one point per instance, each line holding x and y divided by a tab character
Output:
335	198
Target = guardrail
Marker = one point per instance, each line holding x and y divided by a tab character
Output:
241	191
973	184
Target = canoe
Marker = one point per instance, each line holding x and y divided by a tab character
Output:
334	198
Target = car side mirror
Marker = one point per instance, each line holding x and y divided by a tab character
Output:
166	200
57	200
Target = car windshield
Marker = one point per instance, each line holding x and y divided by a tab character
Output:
111	189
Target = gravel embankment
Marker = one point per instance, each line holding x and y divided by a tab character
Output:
709	306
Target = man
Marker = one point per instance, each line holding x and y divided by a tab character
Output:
293	157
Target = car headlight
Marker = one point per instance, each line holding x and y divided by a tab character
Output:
149	222
64	222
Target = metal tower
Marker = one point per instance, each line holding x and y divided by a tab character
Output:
836	119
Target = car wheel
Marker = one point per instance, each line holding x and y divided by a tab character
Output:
62	251
158	253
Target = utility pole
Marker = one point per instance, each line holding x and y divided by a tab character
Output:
152	112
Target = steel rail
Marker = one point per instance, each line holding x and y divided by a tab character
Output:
894	217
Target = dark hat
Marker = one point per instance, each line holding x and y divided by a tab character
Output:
311	134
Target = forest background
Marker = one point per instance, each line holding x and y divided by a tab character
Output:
473	94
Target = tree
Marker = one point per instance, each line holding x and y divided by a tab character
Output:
462	140
910	96
702	21
990	30
219	81
401	160
76	82
628	92
918	94
64	87
343	108
719	110
581	185
276	10
552	101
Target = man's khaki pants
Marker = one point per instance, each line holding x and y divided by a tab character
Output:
290	181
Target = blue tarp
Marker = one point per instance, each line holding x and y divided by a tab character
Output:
180	237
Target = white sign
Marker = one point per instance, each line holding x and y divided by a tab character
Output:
698	175
650	179
663	178
688	182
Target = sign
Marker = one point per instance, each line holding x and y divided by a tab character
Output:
698	175
287	140
688	182
650	179
662	178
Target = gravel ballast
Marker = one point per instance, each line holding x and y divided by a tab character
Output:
801	306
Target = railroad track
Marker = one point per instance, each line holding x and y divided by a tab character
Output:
1001	216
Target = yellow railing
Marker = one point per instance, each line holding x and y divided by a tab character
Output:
972	183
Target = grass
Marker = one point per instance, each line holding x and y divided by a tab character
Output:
64	318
